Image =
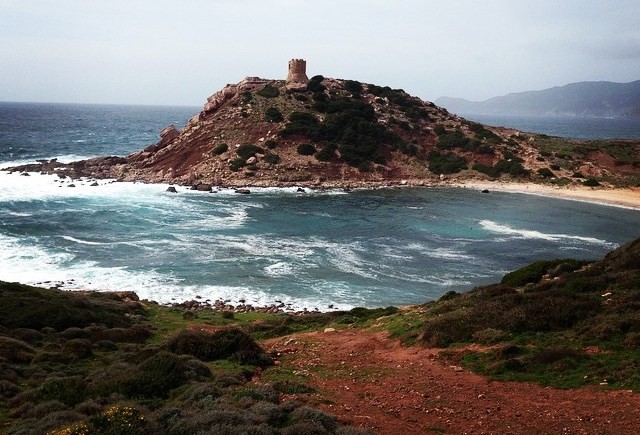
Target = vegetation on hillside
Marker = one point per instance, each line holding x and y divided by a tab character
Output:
563	323
103	363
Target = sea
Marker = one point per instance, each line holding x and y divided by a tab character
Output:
314	250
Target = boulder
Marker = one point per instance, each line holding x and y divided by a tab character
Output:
171	189
243	191
167	135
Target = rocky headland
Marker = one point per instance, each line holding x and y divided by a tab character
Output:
326	133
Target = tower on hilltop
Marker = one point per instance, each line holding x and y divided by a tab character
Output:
297	77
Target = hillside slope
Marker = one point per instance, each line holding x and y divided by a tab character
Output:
588	99
343	133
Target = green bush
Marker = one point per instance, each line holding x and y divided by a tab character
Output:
591	182
452	139
485	169
69	390
272	114
306	149
447	163
154	377
237	164
327	152
315	84
78	348
531	273
271	144
220	149
302	123
511	167
546	173
15	350
439	129
354	87
247	150
271	158
269	91
231	344
35	308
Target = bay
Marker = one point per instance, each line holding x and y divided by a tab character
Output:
310	250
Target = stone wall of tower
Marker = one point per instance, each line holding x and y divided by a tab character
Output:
297	77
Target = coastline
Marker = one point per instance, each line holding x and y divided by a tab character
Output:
617	197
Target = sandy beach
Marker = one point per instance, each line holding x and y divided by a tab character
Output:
620	197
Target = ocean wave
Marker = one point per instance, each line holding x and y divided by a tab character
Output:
83	242
497	228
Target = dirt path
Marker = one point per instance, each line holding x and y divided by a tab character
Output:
371	381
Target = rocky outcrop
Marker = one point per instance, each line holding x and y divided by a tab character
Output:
167	135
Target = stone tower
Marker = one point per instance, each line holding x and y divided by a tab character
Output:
297	77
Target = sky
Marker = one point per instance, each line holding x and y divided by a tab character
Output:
180	52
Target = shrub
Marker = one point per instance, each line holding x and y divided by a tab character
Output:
512	167
246	97
306	414
269	91
591	182
452	139
488	170
247	150
272	158
231	344
530	274
447	163
269	413
261	393
78	348
327	152
68	390
301	123
291	387
353	87
16	351
306	149
489	336
35	308
154	377
271	144
577	175
546	173
272	114
220	149
439	129
120	420
8	389
315	84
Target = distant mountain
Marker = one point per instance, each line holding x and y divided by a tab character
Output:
583	99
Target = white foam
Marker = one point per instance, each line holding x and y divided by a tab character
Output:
82	242
280	268
36	266
497	228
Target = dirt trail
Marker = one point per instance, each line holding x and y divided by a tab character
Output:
374	382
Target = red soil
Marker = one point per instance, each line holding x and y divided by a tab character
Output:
371	381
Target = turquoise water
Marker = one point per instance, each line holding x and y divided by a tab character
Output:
309	250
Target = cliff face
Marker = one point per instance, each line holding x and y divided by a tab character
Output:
329	132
